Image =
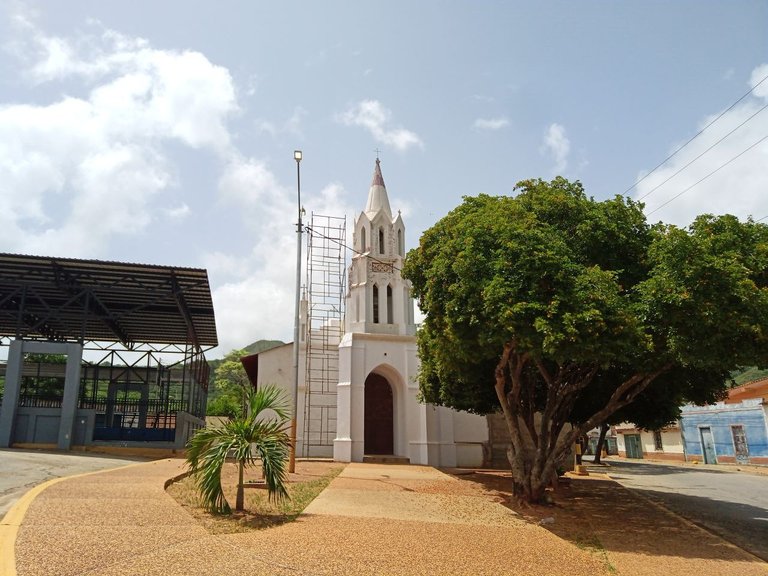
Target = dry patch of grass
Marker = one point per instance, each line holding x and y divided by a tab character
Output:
310	479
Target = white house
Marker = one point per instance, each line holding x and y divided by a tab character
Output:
665	444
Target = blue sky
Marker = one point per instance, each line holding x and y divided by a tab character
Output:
163	132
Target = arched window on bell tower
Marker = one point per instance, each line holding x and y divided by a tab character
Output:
389	305
362	239
400	242
375	304
381	240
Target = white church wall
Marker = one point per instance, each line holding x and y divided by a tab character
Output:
276	368
393	357
470	433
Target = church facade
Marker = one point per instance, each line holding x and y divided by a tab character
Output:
377	411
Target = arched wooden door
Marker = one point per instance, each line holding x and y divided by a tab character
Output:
379	412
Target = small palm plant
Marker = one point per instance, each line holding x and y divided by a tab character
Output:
250	437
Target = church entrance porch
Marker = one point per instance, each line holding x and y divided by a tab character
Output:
379	416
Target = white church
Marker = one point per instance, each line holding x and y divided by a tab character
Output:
358	391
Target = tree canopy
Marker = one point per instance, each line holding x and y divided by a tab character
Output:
561	309
229	386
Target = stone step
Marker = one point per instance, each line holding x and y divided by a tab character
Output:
385	459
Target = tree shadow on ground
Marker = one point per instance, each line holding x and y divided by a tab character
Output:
638	467
598	513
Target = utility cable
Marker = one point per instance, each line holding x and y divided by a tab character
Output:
708	175
652	190
366	254
696	135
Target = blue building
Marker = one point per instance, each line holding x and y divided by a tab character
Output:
726	432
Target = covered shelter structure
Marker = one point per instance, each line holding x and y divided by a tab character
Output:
102	352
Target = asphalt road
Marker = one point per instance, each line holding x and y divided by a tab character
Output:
733	505
21	470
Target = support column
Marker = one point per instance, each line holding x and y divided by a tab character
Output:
342	444
69	401
12	392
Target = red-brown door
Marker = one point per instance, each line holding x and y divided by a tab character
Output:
379	428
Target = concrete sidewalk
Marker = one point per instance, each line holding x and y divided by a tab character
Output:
372	519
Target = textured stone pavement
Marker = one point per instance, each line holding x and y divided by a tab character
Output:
370	520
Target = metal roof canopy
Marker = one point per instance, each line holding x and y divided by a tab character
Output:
63	299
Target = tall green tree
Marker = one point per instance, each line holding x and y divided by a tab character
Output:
229	386
258	434
558	309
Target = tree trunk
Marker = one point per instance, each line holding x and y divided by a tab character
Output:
601	442
536	449
530	478
239	501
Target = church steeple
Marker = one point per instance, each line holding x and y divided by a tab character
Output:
377	196
378	297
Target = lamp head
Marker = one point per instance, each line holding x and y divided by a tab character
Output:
297	155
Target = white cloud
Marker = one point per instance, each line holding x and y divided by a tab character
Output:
557	145
374	117
759	82
179	212
490	123
79	173
255	293
738	188
291	126
100	160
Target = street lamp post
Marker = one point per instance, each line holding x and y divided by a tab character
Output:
292	458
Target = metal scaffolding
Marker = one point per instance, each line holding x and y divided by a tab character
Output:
326	279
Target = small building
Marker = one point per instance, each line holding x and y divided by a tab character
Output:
733	431
665	444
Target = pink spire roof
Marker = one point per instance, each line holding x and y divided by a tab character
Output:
378	179
378	200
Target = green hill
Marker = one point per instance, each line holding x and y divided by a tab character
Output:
252	348
748	375
262	345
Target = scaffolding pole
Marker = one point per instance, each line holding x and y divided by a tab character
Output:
326	280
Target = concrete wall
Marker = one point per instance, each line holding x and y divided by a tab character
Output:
41	426
186	426
470	434
719	418
276	368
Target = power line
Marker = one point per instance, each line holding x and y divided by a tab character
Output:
708	175
366	254
696	135
652	190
